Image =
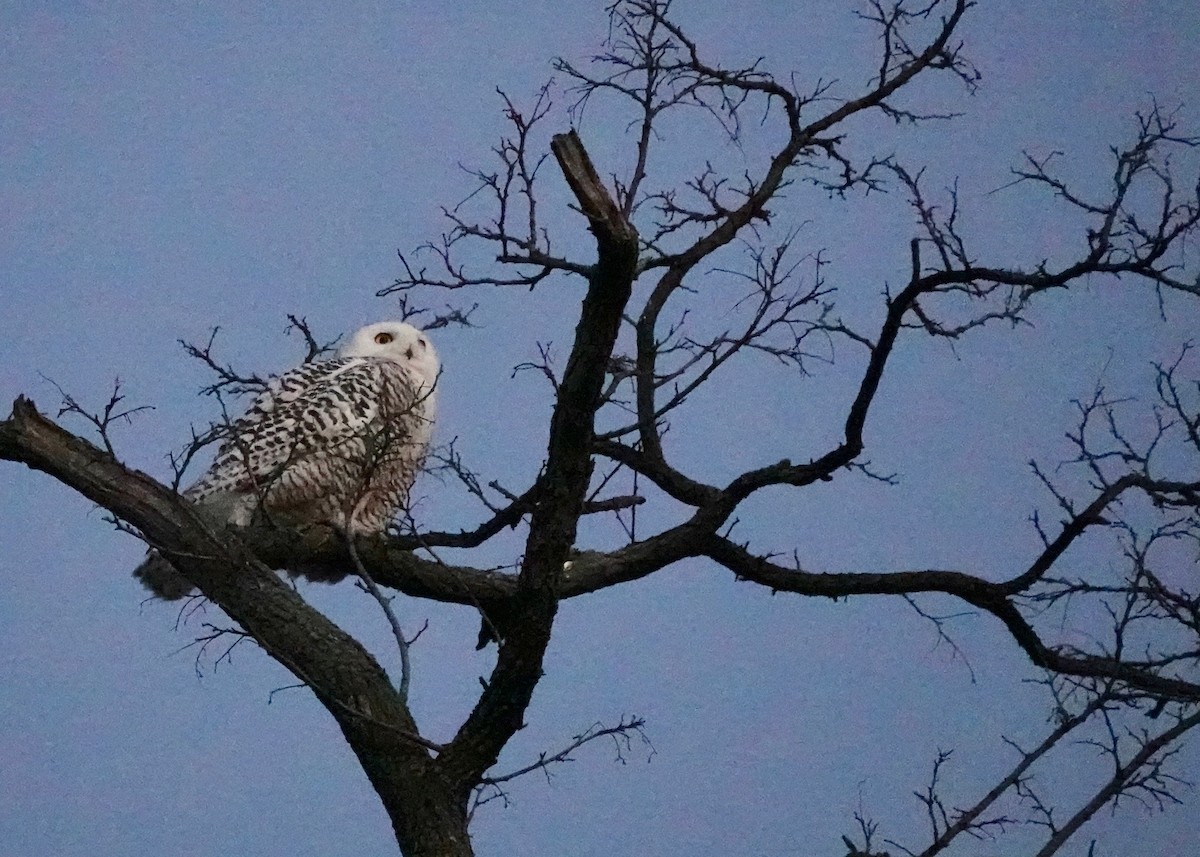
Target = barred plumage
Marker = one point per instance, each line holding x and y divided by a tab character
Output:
338	441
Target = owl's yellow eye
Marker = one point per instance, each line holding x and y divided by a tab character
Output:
383	338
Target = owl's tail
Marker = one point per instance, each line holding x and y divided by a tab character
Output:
220	507
161	578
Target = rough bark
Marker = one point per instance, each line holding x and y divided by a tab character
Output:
553	524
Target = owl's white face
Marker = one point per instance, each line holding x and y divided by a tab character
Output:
395	340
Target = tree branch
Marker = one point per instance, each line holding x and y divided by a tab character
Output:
501	707
341	673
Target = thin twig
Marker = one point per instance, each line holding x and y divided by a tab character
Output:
385	603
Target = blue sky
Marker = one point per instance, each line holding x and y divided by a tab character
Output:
165	168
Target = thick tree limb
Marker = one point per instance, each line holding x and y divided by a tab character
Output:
343	675
552	527
171	524
991	597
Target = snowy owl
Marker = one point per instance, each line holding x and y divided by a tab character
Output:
337	441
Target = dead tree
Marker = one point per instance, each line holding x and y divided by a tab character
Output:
635	362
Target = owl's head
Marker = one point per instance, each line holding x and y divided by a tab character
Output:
395	340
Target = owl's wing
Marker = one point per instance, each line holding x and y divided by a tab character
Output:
293	384
316	408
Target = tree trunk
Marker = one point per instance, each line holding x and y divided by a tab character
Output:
429	816
429	821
